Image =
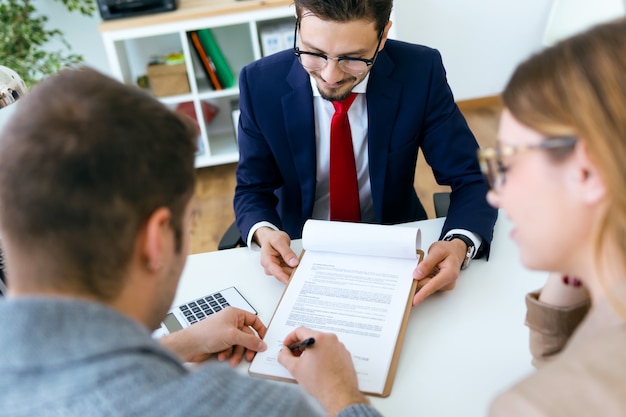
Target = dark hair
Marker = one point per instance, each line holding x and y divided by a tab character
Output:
347	10
84	162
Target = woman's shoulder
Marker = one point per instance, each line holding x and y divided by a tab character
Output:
586	379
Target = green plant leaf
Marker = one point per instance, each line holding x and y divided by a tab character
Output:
24	36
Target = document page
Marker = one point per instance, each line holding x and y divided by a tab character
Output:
353	280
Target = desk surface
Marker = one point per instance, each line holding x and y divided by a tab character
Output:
461	347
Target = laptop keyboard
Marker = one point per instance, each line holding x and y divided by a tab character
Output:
203	307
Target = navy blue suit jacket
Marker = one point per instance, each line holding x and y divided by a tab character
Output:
409	105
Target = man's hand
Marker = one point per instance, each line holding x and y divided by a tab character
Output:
325	370
277	258
440	268
231	333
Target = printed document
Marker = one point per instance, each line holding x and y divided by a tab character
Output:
354	280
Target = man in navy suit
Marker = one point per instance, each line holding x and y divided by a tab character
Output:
403	102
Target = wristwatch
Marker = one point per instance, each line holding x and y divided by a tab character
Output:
470	248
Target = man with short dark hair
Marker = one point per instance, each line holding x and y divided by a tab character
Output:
291	168
96	196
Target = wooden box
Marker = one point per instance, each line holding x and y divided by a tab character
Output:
168	80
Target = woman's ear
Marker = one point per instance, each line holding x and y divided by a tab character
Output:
591	186
156	232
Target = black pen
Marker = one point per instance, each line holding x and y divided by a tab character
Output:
294	347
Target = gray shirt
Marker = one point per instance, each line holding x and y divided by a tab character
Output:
65	357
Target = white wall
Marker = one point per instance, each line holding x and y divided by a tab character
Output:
481	41
80	31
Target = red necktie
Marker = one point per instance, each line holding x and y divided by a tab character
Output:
344	187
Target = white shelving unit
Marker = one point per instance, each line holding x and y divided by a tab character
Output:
236	26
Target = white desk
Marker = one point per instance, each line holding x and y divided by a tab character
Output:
461	347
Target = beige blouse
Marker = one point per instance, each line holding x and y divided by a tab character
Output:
587	379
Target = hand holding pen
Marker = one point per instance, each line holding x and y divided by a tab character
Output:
301	345
326	371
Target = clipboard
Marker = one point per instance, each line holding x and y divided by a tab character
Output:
259	371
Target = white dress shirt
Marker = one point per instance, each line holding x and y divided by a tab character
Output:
357	115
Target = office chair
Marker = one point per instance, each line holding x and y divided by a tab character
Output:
232	238
441	201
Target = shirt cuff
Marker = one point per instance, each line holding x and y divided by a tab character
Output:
250	242
359	410
472	236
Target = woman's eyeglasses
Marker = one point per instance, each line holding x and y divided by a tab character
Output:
491	159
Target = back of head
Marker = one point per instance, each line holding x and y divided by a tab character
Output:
377	11
577	88
83	163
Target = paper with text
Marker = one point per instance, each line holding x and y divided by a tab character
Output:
353	280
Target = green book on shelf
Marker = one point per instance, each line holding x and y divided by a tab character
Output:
224	73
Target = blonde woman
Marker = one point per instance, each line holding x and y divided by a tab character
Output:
559	174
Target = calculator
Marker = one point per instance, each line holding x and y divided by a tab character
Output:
189	313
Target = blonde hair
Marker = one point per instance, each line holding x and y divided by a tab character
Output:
578	87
